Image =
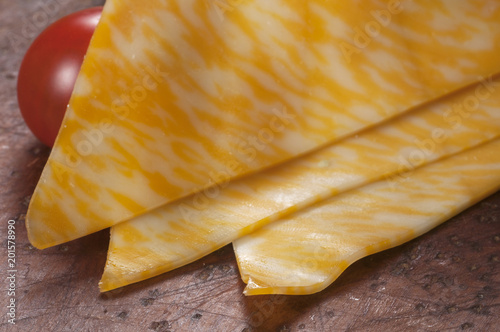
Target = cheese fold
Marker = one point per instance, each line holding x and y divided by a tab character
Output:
174	92
307	251
190	228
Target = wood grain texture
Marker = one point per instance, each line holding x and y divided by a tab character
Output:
446	280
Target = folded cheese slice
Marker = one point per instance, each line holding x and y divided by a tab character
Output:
173	92
190	228
307	251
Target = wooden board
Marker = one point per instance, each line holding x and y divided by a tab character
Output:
448	279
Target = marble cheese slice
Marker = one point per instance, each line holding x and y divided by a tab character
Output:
190	228
173	92
306	252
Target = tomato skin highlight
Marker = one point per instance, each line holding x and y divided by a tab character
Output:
49	69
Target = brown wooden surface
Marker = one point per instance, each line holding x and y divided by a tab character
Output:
446	280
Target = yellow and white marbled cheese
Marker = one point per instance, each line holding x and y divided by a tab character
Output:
305	252
174	91
185	230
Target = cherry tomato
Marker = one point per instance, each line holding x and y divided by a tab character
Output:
49	70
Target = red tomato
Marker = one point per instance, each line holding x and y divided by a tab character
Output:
49	69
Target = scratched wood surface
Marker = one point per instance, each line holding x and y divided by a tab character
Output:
446	280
